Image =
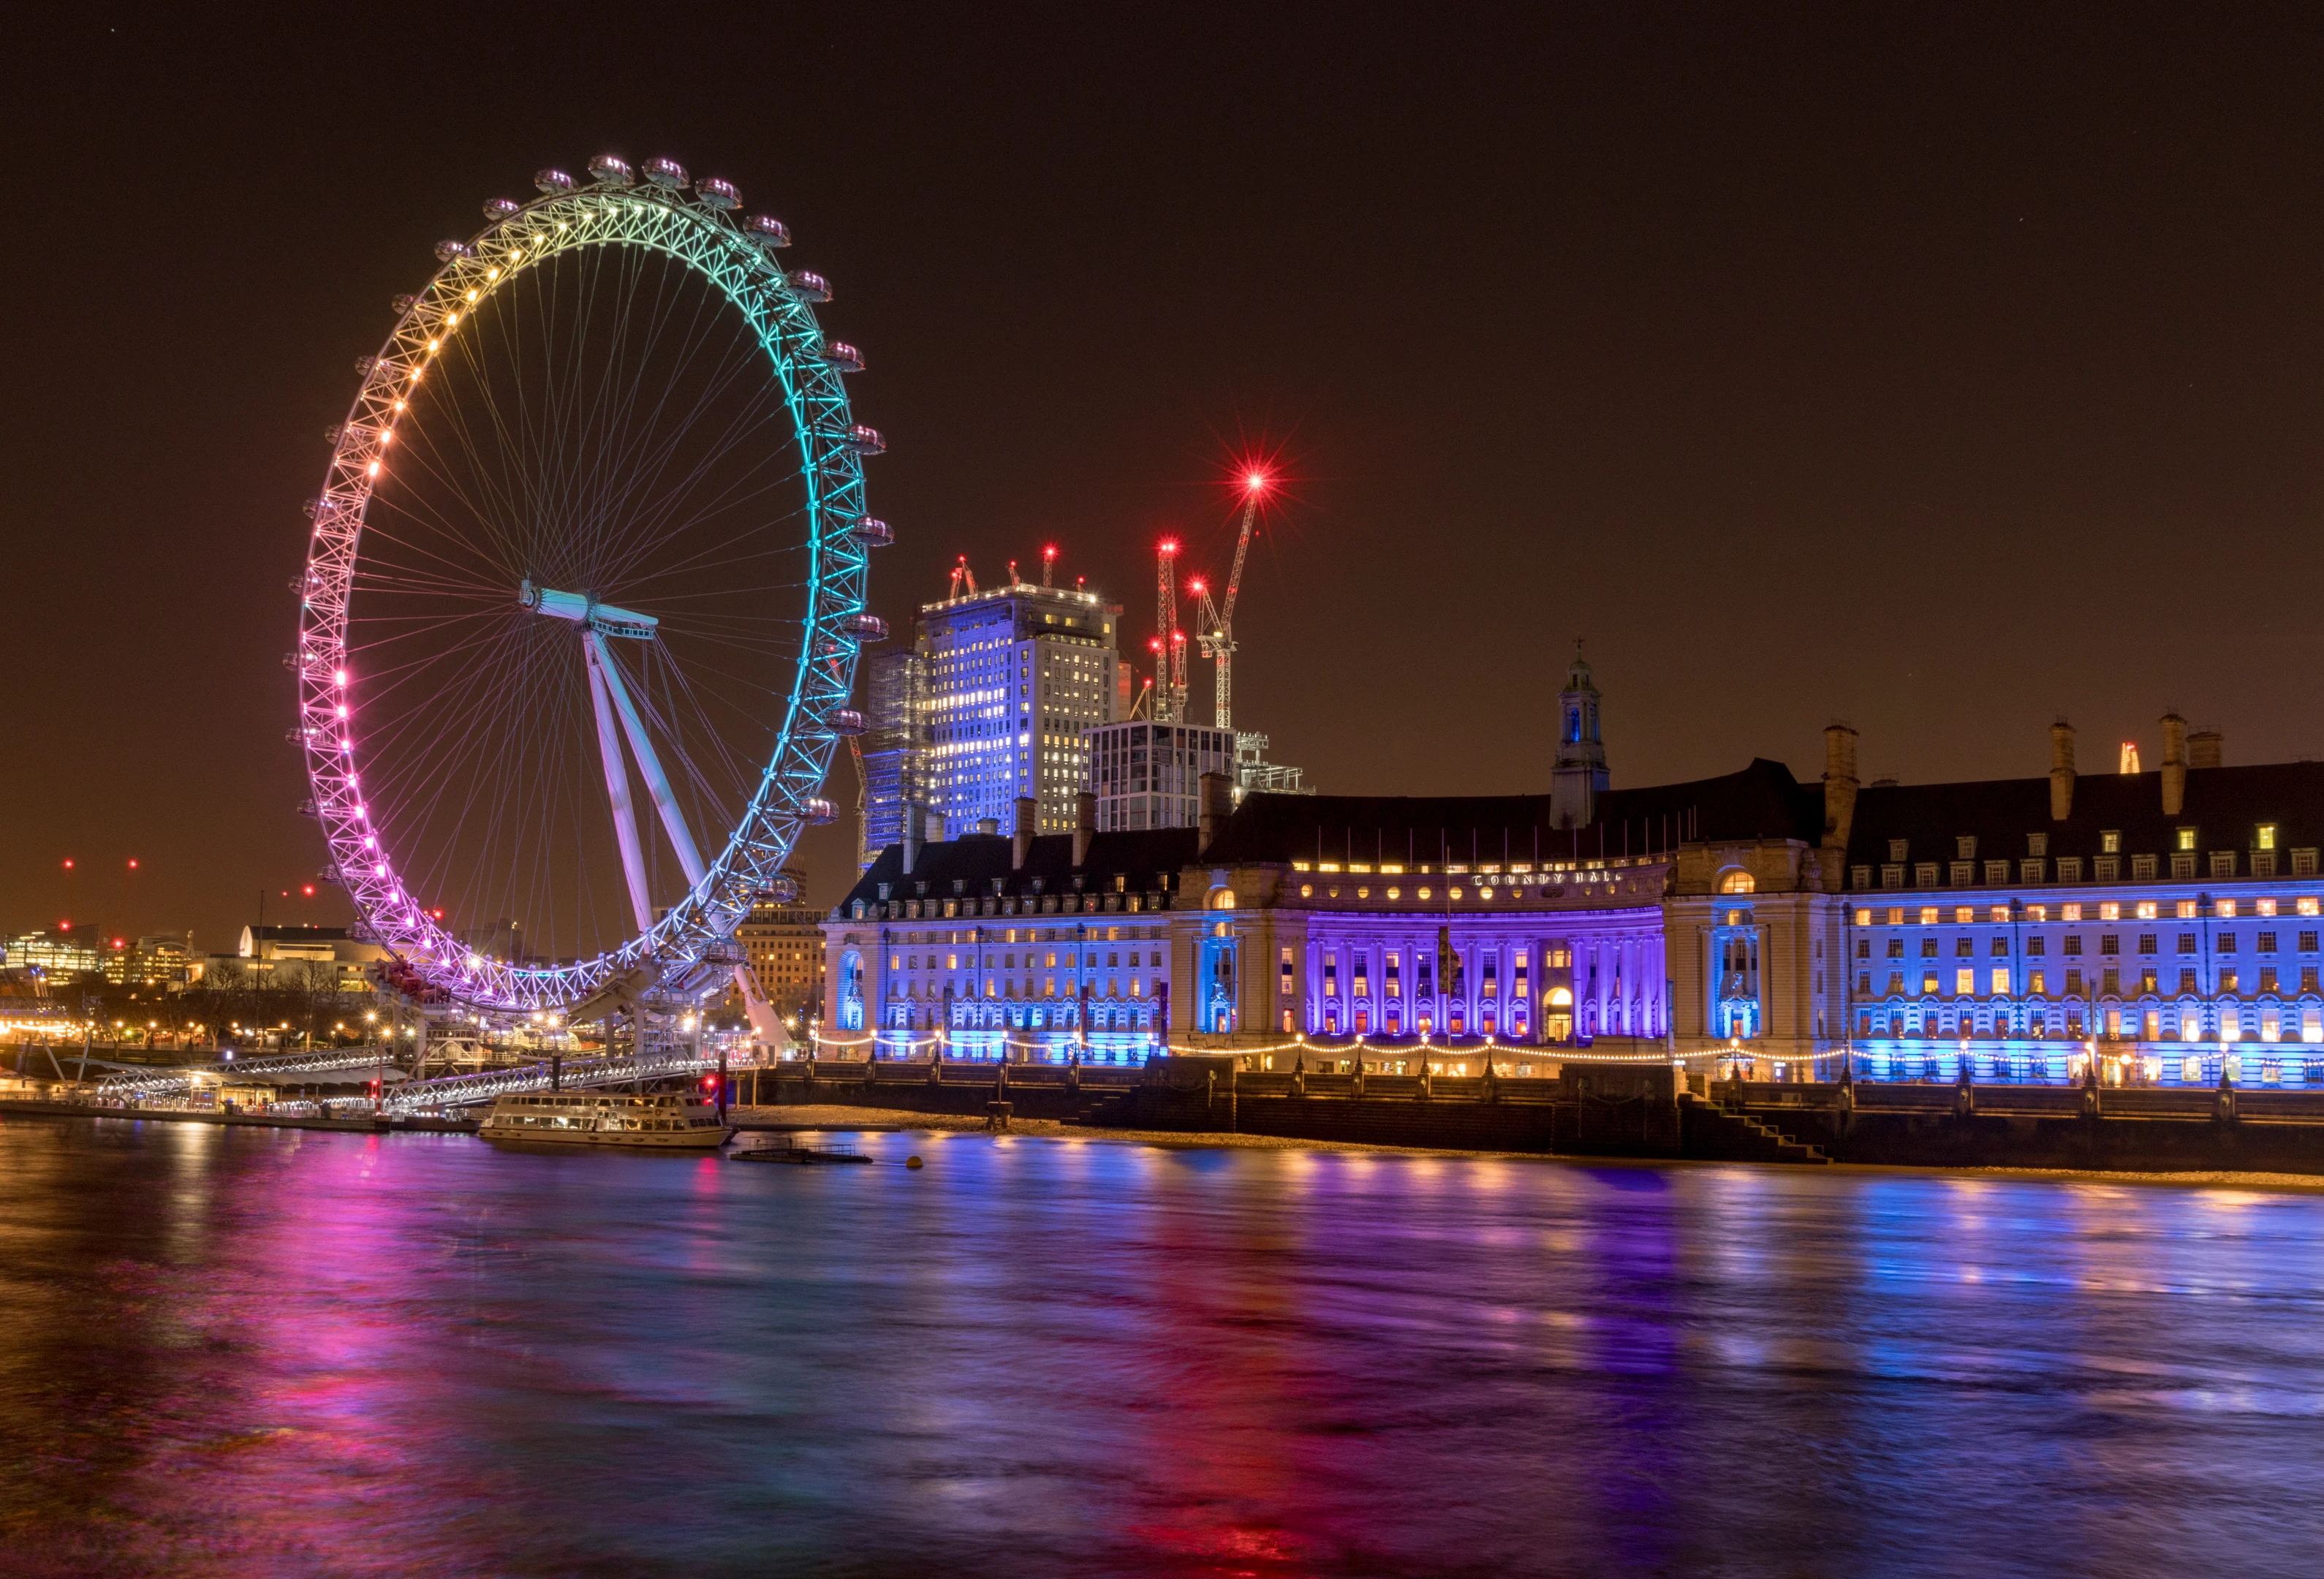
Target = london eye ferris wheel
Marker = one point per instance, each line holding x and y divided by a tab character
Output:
584	593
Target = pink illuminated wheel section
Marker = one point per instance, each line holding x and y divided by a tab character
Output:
584	593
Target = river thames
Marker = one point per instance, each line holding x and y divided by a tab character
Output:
270	1352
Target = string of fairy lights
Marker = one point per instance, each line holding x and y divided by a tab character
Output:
910	1047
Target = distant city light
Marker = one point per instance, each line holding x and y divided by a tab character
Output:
68	865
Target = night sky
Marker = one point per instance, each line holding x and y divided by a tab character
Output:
1940	371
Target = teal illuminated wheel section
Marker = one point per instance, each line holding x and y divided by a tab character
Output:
584	595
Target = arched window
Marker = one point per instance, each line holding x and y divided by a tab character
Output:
1735	881
1223	899
1561	997
851	989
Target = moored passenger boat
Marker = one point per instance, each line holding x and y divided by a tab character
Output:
661	1121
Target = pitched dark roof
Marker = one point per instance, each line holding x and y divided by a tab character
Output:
976	858
1762	801
2224	806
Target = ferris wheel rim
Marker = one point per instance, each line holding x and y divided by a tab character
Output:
700	236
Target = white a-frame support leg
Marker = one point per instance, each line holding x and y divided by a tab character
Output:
689	859
764	1023
617	786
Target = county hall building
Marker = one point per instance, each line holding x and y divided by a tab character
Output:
2168	919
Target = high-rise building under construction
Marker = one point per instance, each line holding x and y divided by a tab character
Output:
990	704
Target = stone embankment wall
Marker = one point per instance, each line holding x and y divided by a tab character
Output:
1624	1111
2138	1129
1209	1096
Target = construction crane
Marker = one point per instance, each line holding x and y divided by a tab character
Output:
863	820
1170	641
1218	641
962	573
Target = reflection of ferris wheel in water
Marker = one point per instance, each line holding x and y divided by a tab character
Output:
600	502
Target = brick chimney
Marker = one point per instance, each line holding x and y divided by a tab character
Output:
2174	764
1020	843
1084	826
2207	748
2061	771
1840	785
1213	809
915	834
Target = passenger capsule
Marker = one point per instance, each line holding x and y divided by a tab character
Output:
611	171
767	230
552	182
874	533
446	251
842	357
711	192
500	208
313	507
402	301
865	441
865	627
847	721
819	811
365	365
810	286
665	173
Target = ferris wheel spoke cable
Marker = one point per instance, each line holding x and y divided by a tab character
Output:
482	697
705	730
487	499
716	451
661	521
732	368
402	680
720	556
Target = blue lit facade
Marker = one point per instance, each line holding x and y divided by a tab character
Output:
989	706
998	948
2167	923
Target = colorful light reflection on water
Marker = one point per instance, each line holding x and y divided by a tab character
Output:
270	1351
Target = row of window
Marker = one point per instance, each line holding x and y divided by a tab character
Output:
2075	984
2224	909
2038	945
2264	840
911	961
2173	1022
2222	865
1029	935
